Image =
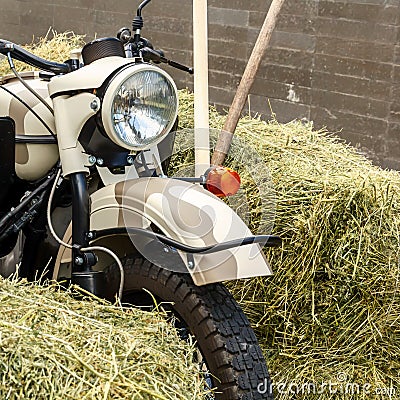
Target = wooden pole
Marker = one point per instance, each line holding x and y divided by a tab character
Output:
201	117
264	38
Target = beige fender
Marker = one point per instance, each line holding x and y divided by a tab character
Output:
182	211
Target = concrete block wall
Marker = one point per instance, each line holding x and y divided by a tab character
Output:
334	62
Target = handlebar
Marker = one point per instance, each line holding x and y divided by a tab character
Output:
18	53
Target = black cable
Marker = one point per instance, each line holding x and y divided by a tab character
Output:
7	218
30	109
18	76
37	95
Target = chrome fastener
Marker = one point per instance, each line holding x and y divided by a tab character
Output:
94	105
79	261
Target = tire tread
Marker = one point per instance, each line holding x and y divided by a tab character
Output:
221	328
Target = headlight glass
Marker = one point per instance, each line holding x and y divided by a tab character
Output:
144	109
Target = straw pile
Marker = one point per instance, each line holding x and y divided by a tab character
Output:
331	313
53	346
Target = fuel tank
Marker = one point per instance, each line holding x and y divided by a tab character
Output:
35	150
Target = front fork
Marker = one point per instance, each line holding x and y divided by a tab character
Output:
80	219
83	274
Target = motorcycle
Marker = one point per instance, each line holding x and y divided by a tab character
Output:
84	151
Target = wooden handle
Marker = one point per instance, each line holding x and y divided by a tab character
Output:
264	38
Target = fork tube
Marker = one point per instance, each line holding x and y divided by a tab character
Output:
80	217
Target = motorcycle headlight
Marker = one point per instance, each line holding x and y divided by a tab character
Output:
139	107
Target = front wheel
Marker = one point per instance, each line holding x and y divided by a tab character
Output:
227	343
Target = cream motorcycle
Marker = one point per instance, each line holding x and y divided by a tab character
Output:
84	149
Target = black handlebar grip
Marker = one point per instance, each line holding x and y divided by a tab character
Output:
157	56
181	67
20	54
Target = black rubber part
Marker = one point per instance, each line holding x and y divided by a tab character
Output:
223	333
7	156
101	48
137	23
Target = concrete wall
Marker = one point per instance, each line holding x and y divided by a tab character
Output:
334	62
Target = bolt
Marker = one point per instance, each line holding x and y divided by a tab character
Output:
90	235
191	264
92	160
100	162
94	105
79	261
130	160
166	250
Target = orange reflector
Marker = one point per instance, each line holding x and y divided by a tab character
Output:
223	181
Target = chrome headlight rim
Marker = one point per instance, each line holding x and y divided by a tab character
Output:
108	99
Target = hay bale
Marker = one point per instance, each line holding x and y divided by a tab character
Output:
55	346
332	309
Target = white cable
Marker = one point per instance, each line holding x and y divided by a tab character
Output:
117	260
52	231
92	248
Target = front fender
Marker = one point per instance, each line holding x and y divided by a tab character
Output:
186	213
